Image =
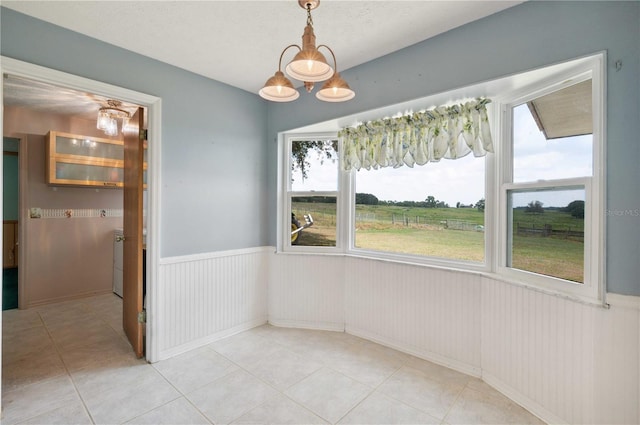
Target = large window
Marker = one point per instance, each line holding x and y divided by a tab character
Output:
532	211
436	210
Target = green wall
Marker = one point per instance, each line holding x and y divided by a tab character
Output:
10	180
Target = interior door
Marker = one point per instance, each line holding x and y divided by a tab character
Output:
132	226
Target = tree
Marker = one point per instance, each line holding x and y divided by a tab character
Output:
534	207
430	202
480	205
325	149
575	208
366	199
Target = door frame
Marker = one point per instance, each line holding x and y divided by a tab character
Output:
153	104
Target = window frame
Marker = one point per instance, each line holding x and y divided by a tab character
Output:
592	289
498	182
286	194
483	266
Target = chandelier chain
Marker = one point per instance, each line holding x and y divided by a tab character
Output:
309	18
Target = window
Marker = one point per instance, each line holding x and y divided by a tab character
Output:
532	212
312	193
436	210
551	204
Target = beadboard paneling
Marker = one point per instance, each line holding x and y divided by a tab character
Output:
617	372
205	297
428	312
307	291
564	360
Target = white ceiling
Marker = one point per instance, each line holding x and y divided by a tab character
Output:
239	42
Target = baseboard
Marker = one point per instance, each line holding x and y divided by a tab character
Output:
197	343
318	326
68	298
425	355
534	408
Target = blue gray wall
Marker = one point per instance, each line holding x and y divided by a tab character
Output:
210	204
527	36
214	190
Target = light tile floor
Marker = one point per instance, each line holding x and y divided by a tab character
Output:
70	363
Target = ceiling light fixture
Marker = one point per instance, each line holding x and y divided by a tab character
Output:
309	66
108	117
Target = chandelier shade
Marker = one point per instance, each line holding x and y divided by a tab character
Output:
279	89
335	90
309	66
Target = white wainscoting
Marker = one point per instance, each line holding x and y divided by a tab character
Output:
563	360
617	360
538	349
307	291
430	313
203	298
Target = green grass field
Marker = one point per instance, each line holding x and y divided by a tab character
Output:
429	232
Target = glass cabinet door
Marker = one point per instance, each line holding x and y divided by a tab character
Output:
89	148
82	174
86	161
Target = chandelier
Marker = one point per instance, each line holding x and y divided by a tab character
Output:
309	66
108	117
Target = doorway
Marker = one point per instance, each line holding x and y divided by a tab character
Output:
152	105
10	217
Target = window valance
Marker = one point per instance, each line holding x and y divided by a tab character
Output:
443	132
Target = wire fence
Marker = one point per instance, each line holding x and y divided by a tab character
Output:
547	230
407	220
418	220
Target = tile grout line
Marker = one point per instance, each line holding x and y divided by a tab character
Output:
262	380
281	392
90	310
75	387
182	395
297	403
406	402
444	418
373	388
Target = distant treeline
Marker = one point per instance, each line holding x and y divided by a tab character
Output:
575	208
315	199
369	199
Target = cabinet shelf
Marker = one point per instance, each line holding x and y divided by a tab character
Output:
74	160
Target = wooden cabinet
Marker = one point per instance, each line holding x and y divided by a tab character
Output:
84	161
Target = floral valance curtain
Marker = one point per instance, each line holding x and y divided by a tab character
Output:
444	132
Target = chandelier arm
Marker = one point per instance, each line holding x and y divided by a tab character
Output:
335	62
282	54
116	112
